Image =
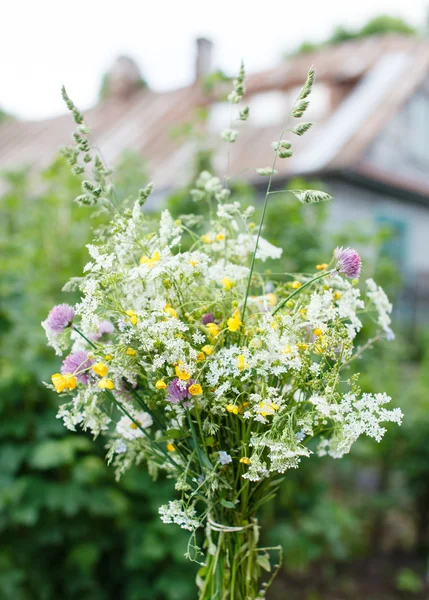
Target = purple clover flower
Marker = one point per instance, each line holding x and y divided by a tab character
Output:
77	363
60	317
348	262
207	318
104	328
177	391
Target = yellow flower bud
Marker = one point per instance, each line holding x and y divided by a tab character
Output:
106	384
182	374
241	362
295	285
171	447
232	409
213	329
207	349
321	267
227	283
245	460
170	311
317	332
131	352
234	323
133	316
100	369
160	384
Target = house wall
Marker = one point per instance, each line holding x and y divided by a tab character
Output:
403	146
369	209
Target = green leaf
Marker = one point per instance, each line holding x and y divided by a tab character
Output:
227	503
174	434
263	561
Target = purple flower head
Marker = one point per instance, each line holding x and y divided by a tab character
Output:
60	317
348	262
178	391
104	328
207	318
77	363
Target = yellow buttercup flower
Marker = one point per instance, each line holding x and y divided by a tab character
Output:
232	409
160	384
150	262
227	283
321	267
201	356
133	316
241	362
63	382
272	299
295	285
182	374
171	447
131	352
207	349
195	389
220	237
213	329
317	332
170	311
106	384
108	357
245	460
100	369
234	323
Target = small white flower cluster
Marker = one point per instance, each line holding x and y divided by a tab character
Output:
175	512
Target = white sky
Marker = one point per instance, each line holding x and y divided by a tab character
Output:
45	43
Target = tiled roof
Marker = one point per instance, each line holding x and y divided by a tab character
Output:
369	79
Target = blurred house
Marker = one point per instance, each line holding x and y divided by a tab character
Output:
369	145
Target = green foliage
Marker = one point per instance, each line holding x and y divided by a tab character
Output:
408	581
5	116
67	529
380	25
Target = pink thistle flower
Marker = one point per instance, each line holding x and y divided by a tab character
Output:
78	364
207	318
104	328
348	262
178	391
60	317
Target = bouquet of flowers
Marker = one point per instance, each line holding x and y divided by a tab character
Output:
191	360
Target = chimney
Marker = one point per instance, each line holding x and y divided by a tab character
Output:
203	63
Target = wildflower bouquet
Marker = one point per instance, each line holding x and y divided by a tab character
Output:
194	363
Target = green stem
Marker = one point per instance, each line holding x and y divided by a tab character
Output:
84	337
304	285
264	210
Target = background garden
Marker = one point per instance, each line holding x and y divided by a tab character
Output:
353	529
